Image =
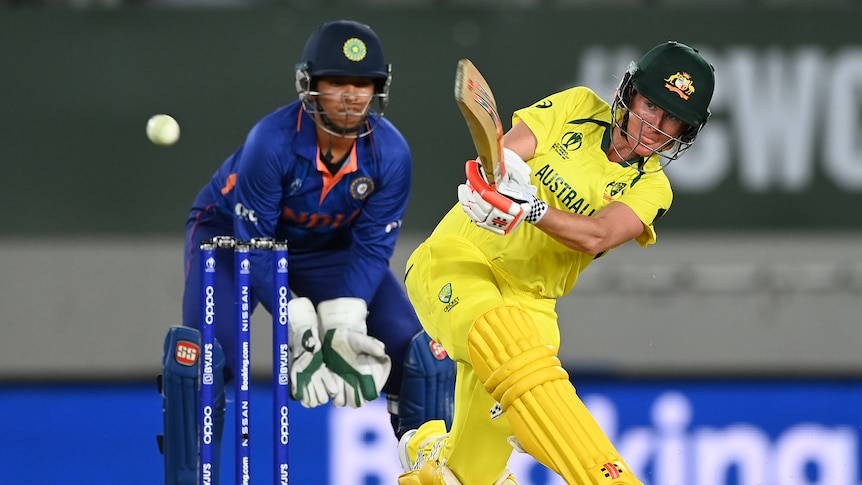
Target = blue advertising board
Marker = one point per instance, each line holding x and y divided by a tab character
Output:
671	432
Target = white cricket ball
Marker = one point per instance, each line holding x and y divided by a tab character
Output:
163	130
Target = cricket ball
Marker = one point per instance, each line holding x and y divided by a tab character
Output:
163	130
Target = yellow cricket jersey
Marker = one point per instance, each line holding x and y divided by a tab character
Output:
572	173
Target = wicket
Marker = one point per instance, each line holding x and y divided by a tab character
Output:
242	366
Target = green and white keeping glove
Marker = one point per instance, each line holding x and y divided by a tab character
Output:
311	382
360	361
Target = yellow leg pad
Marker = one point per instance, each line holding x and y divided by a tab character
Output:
522	372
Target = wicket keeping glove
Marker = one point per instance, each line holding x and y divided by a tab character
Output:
310	381
357	358
501	210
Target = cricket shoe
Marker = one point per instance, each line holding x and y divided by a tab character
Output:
420	454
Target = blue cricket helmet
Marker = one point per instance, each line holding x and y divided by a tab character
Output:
343	48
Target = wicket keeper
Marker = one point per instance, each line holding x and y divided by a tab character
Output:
331	176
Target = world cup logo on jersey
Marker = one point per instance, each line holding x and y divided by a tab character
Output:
569	142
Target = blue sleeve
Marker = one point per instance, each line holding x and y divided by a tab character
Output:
377	228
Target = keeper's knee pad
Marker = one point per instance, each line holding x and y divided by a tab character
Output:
428	385
178	385
522	372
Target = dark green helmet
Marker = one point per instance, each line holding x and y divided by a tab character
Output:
678	79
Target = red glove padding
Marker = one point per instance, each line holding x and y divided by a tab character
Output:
486	207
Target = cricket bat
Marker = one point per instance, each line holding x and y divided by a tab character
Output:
477	104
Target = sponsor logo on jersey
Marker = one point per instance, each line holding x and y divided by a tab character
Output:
244	212
544	104
392	226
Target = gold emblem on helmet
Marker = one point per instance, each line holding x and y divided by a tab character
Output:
354	49
681	84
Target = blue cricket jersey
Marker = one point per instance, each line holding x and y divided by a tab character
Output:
275	186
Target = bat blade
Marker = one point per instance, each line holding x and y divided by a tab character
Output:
477	104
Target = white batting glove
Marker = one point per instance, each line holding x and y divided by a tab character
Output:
310	381
517	176
494	211
358	359
515	184
485	214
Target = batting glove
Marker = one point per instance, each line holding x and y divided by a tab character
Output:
357	358
515	184
497	211
310	381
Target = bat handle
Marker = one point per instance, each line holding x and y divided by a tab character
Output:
488	193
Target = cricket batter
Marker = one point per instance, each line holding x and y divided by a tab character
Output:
587	177
331	176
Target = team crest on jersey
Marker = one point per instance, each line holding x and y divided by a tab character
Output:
445	293
445	296
681	84
614	189
361	188
569	142
354	49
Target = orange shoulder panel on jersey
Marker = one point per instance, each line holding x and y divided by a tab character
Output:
229	184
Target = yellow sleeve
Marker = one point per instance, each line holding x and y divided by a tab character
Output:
650	198
551	114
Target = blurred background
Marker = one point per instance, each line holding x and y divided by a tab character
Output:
726	354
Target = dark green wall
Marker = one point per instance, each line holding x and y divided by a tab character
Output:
78	87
